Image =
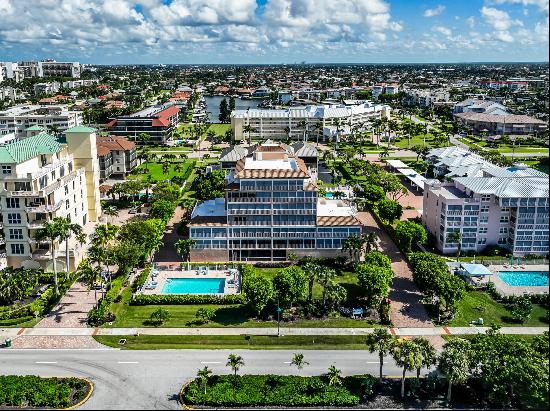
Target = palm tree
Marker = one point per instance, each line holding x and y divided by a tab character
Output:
406	354
103	234
184	246
429	355
66	229
382	341
89	275
312	272
204	375
456	237
111	211
235	362
249	130
370	241
454	362
166	168
50	232
334	376
298	361
325	276
353	245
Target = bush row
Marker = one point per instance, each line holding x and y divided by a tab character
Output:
101	314
22	391
275	390
141	278
177	299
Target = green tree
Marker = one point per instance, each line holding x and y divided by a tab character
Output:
429	355
312	272
389	210
50	232
184	246
407	355
521	308
203	375
334	376
89	275
298	361
354	246
167	191
110	211
381	341
205	315
408	233
159	316
334	294
374	281
372	193
162	209
258	291
454	362
211	186
455	237
377	258
290	285
224	111
235	362
66	230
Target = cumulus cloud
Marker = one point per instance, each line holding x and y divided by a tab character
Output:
442	30
435	11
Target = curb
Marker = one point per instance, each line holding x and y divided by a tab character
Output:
185	406
86	398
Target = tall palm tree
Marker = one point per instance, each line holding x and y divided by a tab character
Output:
353	245
184	246
382	341
89	275
111	211
50	232
249	130
235	362
102	236
429	355
298	361
456	237
325	276
370	241
66	229
407	355
204	375
454	362
312	272
334	376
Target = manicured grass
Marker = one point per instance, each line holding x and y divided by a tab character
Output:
541	165
25	322
219	129
478	304
522	337
155	170
415	140
260	342
504	148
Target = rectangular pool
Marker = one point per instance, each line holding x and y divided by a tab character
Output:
525	278
194	286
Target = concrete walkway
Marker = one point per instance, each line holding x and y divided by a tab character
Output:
167	253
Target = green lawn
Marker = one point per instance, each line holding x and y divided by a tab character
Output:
219	129
415	140
537	164
504	148
522	337
25	322
478	304
155	170
260	342
232	315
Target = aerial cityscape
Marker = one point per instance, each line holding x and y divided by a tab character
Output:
274	204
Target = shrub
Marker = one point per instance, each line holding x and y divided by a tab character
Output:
139	281
29	390
187	299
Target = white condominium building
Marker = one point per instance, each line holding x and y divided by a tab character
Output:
486	204
18	119
43	177
299	123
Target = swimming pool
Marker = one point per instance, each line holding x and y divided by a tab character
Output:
194	286
524	278
329	195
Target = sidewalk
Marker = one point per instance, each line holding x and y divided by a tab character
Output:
402	331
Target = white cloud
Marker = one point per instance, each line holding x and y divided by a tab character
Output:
500	20
442	30
471	21
435	11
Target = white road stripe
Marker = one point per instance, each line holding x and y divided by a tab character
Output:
128	362
287	362
375	362
210	362
46	362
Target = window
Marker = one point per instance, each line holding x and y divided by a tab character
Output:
14	218
12	202
503	230
6	169
18	249
482	230
482	241
484	209
483	220
16	234
66	190
22	186
67	204
504	219
485	198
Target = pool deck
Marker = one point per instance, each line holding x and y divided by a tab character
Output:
164	274
506	289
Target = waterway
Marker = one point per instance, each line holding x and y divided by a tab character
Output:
213	106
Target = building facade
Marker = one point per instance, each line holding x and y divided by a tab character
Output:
117	156
18	119
158	122
271	211
486	204
299	123
44	177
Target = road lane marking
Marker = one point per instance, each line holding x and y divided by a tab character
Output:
128	362
211	362
287	362
376	362
46	362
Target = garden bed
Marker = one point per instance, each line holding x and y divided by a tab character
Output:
358	391
36	392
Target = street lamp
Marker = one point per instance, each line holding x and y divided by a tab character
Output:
279	311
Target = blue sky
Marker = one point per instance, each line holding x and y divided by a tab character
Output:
274	31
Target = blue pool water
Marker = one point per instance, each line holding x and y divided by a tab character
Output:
524	278
329	195
194	286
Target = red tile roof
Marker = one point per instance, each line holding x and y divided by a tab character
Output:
106	144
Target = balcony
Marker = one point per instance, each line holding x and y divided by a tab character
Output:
44	208
249	212
35	224
454	212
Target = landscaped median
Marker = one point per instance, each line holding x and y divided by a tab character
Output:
30	391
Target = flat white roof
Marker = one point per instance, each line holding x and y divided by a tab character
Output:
334	208
253	164
413	176
210	208
397	163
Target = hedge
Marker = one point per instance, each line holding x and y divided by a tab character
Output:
141	278
187	299
33	391
101	314
276	390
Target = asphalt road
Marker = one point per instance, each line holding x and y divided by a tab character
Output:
152	379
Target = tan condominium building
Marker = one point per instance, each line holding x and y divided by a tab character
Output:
43	177
18	119
322	122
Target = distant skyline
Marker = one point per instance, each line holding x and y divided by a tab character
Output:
274	31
